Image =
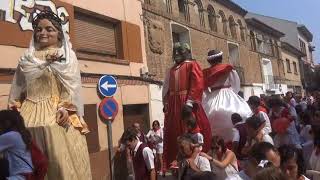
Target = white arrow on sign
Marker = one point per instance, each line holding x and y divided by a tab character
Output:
106	86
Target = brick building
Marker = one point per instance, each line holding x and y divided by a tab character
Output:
297	40
206	25
265	41
108	38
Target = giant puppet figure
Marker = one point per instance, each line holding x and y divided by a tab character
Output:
46	90
182	93
221	98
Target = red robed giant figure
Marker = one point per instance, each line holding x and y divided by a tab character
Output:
183	87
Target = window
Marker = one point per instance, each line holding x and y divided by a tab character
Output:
253	41
268	47
136	113
233	54
302	46
259	43
264	45
295	69
180	34
232	26
175	37
268	74
212	18
288	66
224	22
169	6
183	9
199	10
95	38
242	31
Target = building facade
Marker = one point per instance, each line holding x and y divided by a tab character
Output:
266	42
108	38
291	60
205	25
299	37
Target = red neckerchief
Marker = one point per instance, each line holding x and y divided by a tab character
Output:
260	109
212	74
195	130
156	129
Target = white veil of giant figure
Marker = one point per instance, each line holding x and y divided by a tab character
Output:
46	90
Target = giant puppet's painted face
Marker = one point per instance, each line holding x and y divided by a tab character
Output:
181	52
46	34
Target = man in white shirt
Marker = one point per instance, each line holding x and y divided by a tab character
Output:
143	158
258	111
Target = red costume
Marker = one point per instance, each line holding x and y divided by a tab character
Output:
185	83
214	73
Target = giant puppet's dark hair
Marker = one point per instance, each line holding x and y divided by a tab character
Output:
53	18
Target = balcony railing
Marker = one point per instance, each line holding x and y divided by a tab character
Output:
269	82
240	72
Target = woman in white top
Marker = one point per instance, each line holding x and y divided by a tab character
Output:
224	161
314	161
15	144
155	139
306	136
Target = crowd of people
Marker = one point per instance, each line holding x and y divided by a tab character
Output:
280	140
210	132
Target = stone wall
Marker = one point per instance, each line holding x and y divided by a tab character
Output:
157	22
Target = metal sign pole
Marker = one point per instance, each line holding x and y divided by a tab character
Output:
110	145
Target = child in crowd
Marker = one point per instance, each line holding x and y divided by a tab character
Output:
260	112
270	173
266	151
306	136
239	135
15	143
191	164
194	131
283	124
143	158
155	139
292	162
256	133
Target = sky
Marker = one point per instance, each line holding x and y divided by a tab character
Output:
305	12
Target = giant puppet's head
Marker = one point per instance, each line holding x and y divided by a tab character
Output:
214	57
181	52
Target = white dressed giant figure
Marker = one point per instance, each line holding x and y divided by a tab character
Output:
221	99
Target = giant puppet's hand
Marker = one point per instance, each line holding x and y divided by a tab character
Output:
63	118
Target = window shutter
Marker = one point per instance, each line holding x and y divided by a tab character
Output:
94	36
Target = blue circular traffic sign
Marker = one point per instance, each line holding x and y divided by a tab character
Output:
108	108
107	85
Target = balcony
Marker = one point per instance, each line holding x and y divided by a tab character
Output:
269	82
240	72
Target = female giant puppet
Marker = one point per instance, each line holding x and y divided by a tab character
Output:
182	91
46	91
220	99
